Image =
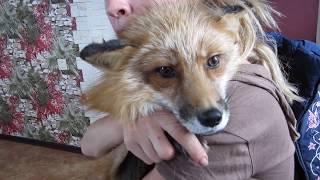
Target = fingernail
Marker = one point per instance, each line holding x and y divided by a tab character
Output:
204	161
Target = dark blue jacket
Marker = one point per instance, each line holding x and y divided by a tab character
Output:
301	59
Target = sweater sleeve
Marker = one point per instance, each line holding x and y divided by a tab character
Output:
229	158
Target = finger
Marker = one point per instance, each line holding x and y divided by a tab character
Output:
140	153
133	146
191	144
143	138
186	139
148	149
160	142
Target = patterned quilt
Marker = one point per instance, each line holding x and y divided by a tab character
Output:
39	80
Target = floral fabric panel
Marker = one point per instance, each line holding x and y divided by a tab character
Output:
39	80
309	143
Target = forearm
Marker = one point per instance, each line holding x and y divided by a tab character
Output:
101	137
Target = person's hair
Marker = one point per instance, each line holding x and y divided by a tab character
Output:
258	47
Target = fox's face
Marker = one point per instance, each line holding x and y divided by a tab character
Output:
178	57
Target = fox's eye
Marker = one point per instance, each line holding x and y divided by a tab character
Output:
166	71
213	62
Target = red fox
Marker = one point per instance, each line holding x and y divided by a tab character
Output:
179	57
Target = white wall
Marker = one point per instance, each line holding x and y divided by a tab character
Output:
92	22
92	26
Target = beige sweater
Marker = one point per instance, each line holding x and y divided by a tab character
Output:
257	142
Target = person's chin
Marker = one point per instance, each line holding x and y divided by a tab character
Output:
117	25
117	30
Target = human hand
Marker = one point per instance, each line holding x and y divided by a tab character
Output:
146	139
101	137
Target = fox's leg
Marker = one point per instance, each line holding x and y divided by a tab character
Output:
132	168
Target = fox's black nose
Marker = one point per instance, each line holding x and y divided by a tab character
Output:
210	118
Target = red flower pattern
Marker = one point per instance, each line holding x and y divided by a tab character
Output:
55	104
62	137
5	61
44	41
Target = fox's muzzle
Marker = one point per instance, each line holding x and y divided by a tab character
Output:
205	120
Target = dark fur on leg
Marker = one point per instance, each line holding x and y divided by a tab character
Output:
132	168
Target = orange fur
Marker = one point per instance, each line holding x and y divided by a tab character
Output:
182	36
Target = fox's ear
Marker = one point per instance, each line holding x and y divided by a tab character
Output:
110	55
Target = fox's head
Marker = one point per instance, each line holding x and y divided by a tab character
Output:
178	57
